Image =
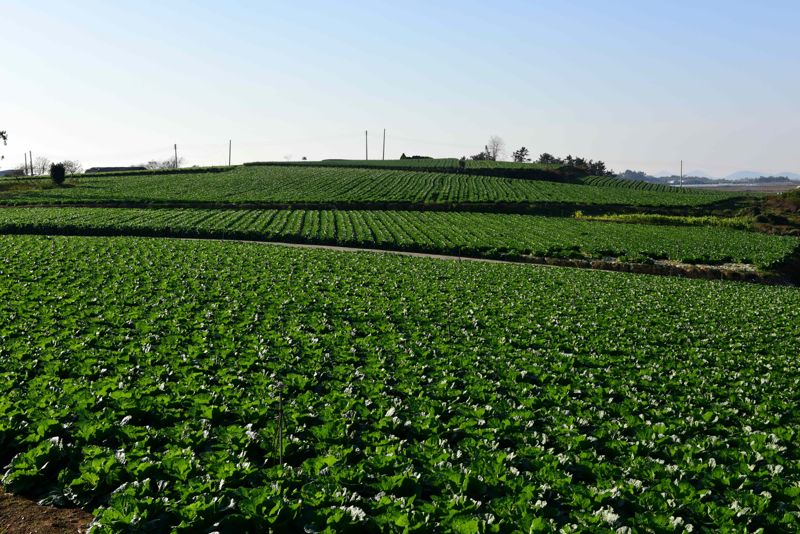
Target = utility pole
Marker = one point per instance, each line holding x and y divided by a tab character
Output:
229	152
366	144
176	155
383	154
26	164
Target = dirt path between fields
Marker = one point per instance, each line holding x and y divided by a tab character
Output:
23	516
728	271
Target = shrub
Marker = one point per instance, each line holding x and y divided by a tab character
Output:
58	173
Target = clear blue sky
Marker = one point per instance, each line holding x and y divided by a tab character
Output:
639	85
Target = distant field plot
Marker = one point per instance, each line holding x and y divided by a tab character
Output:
610	181
143	380
437	163
466	233
342	185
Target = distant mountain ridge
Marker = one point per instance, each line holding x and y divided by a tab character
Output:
700	175
701	178
746	175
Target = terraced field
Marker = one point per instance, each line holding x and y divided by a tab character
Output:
610	181
476	234
253	185
208	386
422	164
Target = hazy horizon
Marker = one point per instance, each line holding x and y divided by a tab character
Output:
638	86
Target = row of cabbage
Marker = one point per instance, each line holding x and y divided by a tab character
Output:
610	181
253	185
216	386
443	232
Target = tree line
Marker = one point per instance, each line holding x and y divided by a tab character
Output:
496	147
41	166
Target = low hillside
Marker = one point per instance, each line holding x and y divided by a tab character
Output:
505	169
276	186
610	181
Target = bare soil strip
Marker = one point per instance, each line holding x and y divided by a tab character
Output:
23	516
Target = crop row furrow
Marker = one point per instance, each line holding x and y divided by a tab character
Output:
474	233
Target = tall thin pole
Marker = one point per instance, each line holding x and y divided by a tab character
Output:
366	144
383	154
176	155
26	164
229	152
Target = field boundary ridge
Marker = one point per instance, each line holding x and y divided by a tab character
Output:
787	274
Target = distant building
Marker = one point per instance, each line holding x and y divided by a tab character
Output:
114	169
12	172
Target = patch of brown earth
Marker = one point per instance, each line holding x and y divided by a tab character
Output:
23	516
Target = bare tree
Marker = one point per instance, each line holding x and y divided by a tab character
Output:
496	147
41	166
73	167
4	138
161	165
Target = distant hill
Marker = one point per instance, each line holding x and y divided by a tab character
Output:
745	175
698	174
733	177
699	177
748	175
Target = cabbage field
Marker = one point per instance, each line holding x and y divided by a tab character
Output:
209	386
167	384
280	184
474	234
507	169
423	163
610	181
